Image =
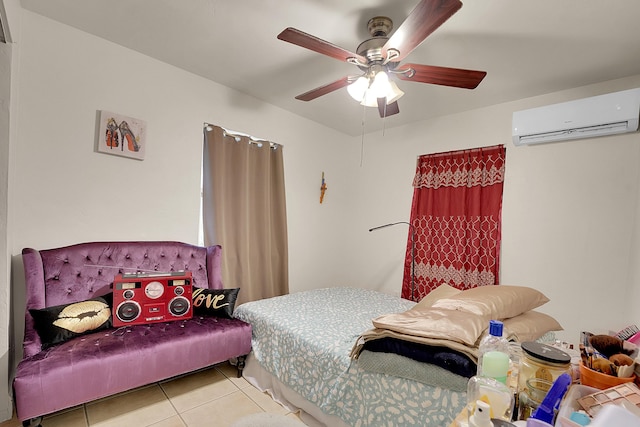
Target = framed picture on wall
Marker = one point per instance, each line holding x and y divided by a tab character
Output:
121	135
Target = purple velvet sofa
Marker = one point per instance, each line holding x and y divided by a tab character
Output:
110	361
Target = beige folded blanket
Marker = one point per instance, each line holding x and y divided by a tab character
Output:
377	333
453	329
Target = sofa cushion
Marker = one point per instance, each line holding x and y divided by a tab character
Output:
214	302
60	323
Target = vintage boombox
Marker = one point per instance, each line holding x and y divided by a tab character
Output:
142	298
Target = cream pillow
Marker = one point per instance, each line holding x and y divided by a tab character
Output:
531	325
442	291
495	302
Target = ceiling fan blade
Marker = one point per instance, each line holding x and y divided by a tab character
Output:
445	76
323	90
310	42
387	110
423	20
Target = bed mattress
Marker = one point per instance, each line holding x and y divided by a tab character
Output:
304	340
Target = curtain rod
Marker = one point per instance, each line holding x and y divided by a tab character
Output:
252	139
463	150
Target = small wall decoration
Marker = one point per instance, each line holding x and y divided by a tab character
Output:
121	135
323	189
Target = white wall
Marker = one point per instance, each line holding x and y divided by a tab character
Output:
9	9
632	295
63	192
5	306
569	210
67	193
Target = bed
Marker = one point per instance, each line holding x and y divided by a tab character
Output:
304	340
309	351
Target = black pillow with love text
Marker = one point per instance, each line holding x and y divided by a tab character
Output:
214	302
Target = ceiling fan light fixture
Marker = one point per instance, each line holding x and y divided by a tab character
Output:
394	93
380	85
369	100
358	89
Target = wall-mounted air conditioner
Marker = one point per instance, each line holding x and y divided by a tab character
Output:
601	115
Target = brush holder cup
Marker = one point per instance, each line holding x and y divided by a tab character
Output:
599	380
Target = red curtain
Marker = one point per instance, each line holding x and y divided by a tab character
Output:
455	215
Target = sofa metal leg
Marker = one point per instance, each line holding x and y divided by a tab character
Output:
33	422
241	360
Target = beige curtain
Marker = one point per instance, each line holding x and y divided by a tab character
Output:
244	211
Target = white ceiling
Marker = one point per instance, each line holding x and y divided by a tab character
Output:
527	47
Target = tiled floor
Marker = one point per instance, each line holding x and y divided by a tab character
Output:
212	397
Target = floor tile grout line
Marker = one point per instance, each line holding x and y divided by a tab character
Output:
253	400
166	396
225	378
178	413
268	395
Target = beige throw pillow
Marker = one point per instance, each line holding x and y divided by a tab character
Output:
531	325
442	291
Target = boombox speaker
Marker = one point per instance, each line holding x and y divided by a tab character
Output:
143	298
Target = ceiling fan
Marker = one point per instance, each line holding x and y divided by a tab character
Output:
380	56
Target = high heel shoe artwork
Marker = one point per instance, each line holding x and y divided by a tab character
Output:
112	136
121	135
127	135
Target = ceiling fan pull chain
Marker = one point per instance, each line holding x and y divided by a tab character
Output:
384	119
364	114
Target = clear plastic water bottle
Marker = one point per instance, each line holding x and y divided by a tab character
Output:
493	361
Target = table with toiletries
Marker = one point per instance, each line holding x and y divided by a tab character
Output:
540	384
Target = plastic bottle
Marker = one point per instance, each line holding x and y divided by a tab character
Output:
494	353
481	417
497	395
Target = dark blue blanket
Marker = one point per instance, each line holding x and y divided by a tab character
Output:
444	357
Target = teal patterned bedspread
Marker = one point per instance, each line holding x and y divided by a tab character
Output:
304	339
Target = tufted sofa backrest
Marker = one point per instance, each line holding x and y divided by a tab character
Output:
86	270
